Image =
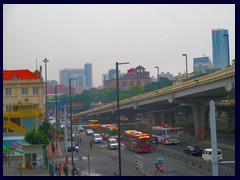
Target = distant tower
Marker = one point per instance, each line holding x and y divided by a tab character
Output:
220	47
88	75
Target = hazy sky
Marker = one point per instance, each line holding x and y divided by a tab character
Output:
142	34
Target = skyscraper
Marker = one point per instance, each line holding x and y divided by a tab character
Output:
220	46
88	75
77	76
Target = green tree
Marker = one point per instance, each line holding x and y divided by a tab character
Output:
47	129
35	137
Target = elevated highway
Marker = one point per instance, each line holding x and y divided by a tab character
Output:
195	93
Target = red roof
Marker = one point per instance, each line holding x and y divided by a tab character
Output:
20	74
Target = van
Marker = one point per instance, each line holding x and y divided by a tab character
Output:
112	143
207	154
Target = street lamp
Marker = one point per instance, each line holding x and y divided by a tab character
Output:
186	66
119	144
70	87
46	112
228	48
56	124
158	72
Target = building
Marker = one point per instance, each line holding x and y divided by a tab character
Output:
23	100
111	75
77	76
52	83
201	64
88	75
135	76
167	75
61	89
220	47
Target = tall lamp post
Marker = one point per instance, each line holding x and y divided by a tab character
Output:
118	119
186	66
70	89
56	117
228	48
46	111
157	72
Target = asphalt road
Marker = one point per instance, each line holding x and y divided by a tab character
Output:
104	162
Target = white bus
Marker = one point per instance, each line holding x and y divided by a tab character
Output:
165	135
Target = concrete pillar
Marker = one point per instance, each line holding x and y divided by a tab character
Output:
131	115
199	110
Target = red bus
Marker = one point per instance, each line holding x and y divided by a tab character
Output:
109	131
137	141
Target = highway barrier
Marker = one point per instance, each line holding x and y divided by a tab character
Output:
194	161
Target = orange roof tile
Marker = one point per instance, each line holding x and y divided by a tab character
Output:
21	74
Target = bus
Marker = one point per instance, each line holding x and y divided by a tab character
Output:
137	141
109	131
93	124
166	134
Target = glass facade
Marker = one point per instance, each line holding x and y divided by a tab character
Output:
220	48
88	75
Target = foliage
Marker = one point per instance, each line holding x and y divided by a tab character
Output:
36	137
47	129
163	82
109	95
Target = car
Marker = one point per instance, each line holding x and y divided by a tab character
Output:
154	140
69	146
62	126
96	138
112	143
207	154
89	132
193	150
80	129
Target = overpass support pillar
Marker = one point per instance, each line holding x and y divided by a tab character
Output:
199	115
131	116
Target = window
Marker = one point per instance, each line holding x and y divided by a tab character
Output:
8	107
8	91
24	91
35	90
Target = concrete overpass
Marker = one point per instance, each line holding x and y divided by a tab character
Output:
194	94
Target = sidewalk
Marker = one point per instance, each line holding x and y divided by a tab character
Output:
58	151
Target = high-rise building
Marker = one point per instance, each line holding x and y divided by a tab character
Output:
201	64
88	75
77	75
220	46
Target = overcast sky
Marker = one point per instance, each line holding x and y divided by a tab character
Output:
142	34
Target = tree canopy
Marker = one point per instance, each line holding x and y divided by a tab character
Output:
42	136
109	95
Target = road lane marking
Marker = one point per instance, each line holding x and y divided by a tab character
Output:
138	156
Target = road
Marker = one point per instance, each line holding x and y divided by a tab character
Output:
104	162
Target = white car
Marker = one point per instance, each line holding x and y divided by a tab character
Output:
96	138
112	143
89	132
62	126
207	154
